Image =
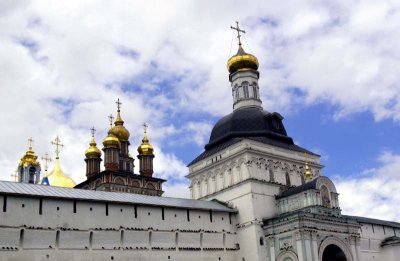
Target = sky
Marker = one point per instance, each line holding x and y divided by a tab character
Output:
331	68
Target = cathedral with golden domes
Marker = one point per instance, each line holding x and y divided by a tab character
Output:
118	173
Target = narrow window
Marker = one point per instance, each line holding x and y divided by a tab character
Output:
230	218
40	206
74	206
237	94
5	203
287	179
255	91
106	209
162	213
246	89
373	230
384	231
135	208
210	216
187	215
261	241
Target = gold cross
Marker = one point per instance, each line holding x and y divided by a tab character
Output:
58	145
118	104
15	176
111	119
238	31
30	142
145	126
93	130
46	159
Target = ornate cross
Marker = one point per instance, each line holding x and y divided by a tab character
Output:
118	104
145	126
15	176
30	142
238	31
110	119
93	130
58	145
46	159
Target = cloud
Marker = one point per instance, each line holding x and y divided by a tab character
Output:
63	65
373	194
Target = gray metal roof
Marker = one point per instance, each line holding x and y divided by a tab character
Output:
23	189
374	221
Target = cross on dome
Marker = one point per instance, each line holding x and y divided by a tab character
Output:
237	28
118	104
111	119
30	142
145	126
46	159
93	130
59	145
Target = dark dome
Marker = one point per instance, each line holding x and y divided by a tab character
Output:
249	122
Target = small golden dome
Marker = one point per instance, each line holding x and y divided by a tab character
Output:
145	148
29	158
242	60
119	130
58	179
93	151
111	141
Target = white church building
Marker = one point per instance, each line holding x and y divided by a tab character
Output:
255	196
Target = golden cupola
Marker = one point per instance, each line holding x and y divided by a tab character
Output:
119	130
29	158
242	61
93	151
111	141
145	148
57	178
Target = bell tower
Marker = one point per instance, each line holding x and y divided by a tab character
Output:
29	168
249	158
146	155
93	157
111	149
243	76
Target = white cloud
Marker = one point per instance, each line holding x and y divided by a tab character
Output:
373	194
63	64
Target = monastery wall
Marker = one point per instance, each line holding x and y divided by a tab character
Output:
372	236
61	229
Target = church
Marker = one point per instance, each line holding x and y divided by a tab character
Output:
255	195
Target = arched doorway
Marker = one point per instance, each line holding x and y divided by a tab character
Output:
333	253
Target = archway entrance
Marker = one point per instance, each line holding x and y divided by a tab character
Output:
333	253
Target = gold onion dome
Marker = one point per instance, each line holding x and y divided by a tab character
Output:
241	61
57	178
145	148
29	158
119	130
111	141
93	151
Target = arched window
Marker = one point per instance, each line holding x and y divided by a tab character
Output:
245	89
287	179
255	94
325	198
237	94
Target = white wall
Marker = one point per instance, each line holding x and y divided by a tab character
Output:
65	235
